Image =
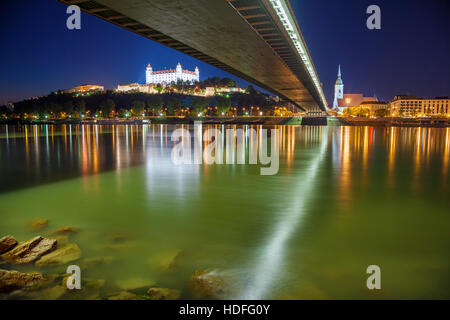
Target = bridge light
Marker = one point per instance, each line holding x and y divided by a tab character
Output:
294	34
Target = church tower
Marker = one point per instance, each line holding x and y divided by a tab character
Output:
338	90
179	69
148	74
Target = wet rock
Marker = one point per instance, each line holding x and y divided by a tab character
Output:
64	231
34	291
29	250
51	293
303	290
118	237
124	295
208	284
164	294
97	262
135	284
13	280
7	243
120	245
167	261
91	289
62	240
94	283
61	256
38	224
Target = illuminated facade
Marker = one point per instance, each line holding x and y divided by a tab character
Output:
173	75
414	106
374	106
354	100
136	87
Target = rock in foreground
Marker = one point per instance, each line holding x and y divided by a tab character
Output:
97	262
13	280
64	231
7	243
29	250
135	284
163	294
61	256
124	295
38	224
167	261
207	284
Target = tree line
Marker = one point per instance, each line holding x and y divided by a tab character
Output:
114	104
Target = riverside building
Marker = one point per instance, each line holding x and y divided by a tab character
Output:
414	106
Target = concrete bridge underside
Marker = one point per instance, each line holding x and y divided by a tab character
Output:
242	37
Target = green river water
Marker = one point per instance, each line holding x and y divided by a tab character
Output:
344	198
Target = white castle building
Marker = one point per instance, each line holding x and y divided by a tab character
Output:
173	75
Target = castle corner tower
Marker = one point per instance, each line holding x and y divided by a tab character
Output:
148	74
197	74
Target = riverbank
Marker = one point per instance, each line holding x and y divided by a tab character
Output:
312	121
166	120
394	122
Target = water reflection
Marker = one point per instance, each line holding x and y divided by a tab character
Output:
92	149
268	264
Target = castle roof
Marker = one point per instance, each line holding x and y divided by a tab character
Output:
173	70
164	71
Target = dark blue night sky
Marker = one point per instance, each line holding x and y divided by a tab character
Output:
410	55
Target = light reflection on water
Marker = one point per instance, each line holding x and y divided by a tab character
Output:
344	198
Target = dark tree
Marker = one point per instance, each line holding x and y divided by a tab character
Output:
155	104
199	105
80	106
172	105
68	107
107	107
138	107
223	105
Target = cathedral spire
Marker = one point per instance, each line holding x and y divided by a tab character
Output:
338	90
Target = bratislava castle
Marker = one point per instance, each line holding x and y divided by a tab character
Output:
173	75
